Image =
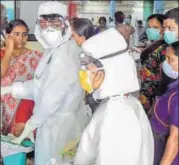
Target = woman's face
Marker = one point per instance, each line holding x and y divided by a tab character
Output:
20	35
170	25
171	58
79	39
154	23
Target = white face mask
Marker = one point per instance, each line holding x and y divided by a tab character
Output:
51	36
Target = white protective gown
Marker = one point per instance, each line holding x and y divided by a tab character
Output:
59	113
119	132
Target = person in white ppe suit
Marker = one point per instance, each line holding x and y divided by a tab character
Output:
59	113
119	132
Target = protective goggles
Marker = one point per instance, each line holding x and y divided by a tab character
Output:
54	21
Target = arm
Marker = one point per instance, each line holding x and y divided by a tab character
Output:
87	150
171	148
5	62
7	57
23	90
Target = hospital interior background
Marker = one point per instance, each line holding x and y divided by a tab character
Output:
93	10
139	10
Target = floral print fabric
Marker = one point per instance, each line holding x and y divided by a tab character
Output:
150	76
21	68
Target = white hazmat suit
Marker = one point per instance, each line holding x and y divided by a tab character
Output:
119	133
59	114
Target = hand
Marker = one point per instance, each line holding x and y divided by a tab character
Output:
9	42
135	49
11	136
164	163
5	90
17	140
27	133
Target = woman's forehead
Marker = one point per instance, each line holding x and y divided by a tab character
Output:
19	28
169	22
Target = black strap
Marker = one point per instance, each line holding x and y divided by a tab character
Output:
3	35
113	54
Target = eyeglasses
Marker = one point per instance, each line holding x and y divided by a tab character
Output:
53	23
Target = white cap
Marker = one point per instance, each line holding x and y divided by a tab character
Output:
53	8
120	71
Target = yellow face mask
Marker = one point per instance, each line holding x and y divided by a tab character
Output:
85	82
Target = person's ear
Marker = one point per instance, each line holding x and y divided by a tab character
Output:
98	79
82	39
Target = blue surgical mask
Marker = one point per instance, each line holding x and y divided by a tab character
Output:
170	37
169	71
153	34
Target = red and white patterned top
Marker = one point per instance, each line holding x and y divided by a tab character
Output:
21	68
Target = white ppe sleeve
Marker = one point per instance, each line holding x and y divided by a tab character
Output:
59	86
6	90
23	90
87	150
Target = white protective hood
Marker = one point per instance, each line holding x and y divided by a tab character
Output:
120	71
53	8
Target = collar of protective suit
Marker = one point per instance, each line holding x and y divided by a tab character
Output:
120	71
53	8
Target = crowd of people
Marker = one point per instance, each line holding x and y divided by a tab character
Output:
75	100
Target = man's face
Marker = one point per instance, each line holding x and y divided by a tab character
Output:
171	25
49	21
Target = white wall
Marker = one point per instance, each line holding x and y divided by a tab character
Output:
28	12
170	5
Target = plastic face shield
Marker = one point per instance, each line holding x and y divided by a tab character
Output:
54	21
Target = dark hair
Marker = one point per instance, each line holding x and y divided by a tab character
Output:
119	17
175	47
151	48
165	80
139	22
83	27
173	14
16	22
102	19
159	17
72	20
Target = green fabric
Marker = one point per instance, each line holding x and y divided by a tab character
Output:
147	8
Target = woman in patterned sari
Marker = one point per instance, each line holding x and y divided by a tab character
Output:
151	59
18	63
